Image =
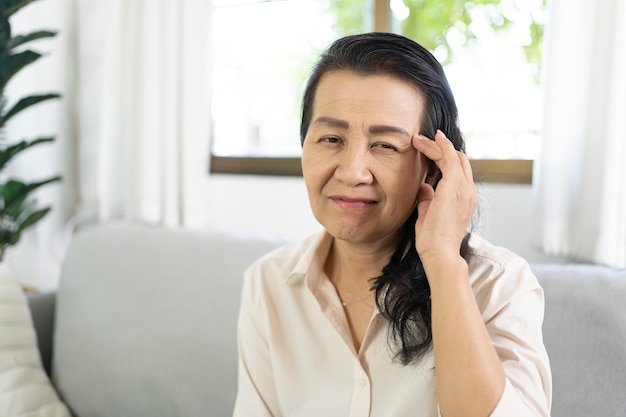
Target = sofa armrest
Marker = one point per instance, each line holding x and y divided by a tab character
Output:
584	331
42	309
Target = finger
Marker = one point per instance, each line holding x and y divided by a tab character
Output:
448	152
426	146
466	166
440	150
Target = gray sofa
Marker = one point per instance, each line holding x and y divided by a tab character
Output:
143	324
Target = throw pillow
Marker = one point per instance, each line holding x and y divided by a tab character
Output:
25	389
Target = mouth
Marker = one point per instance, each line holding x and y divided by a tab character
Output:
352	202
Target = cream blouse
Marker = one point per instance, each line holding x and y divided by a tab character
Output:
297	359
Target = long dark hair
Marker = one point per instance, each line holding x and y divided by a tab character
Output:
402	290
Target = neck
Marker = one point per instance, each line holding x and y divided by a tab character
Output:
351	266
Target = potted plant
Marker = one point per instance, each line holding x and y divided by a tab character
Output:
18	209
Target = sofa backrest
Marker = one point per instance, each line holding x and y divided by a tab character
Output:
145	321
145	325
585	336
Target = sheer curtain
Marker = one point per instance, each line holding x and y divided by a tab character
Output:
143	118
580	185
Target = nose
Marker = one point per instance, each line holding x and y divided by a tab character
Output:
354	166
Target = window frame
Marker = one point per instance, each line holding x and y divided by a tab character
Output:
506	171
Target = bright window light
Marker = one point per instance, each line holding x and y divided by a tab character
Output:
263	51
262	54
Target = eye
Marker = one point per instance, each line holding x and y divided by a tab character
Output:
331	139
384	146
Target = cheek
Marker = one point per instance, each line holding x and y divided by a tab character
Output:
314	171
307	164
407	193
420	169
407	183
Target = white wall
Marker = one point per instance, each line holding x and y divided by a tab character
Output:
506	219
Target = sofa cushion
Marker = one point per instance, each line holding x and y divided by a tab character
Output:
585	336
145	321
25	389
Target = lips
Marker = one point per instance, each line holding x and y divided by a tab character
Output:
352	202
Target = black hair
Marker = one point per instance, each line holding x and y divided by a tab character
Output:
402	291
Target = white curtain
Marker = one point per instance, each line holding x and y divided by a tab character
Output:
580	178
143	101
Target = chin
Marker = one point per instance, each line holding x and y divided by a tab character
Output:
350	233
355	235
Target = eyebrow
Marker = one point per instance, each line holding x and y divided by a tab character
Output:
375	129
331	121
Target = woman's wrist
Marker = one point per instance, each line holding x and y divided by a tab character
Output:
444	270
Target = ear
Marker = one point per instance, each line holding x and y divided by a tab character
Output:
433	173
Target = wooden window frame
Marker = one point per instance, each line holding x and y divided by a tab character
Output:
507	171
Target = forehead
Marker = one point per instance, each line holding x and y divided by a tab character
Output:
346	91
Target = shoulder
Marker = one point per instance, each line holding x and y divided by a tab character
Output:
484	257
287	256
275	278
498	275
284	263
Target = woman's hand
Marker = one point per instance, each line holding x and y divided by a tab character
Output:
444	214
470	377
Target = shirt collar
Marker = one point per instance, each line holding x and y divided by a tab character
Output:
312	259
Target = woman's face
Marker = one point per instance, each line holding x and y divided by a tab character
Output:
361	171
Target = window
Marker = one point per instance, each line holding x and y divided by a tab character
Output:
263	50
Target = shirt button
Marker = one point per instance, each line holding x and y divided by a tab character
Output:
362	382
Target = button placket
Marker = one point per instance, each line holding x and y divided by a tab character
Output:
361	393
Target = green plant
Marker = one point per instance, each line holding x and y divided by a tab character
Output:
18	210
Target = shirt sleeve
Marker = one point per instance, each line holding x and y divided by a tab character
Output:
514	319
256	392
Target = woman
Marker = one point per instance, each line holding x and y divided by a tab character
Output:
395	309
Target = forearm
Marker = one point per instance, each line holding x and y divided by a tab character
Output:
470	377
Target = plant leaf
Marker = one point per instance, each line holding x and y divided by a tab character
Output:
5	29
22	39
3	103
16	208
11	190
9	152
5	237
14	194
32	218
13	64
24	103
26	207
13	6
